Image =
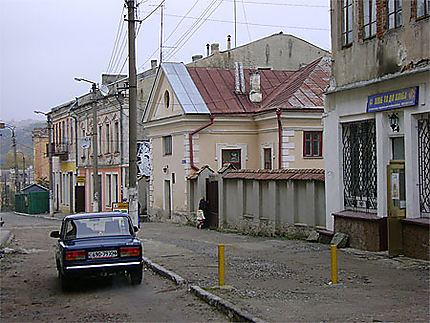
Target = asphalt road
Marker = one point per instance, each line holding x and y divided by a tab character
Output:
30	289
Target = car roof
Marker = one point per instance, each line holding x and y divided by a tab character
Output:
94	215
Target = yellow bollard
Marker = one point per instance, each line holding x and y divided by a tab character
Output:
333	250
221	263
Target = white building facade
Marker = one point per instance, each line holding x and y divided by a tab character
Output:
378	121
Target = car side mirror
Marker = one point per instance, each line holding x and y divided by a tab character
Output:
135	228
55	234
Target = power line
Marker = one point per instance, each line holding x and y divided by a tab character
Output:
118	33
246	20
281	4
199	24
172	32
252	24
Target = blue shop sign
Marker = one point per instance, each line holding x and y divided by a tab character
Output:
394	99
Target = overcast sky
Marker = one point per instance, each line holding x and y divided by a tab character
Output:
44	44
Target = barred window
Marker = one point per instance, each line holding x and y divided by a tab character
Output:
424	164
369	18
346	22
394	13
359	165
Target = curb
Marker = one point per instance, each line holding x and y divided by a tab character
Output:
164	272
224	306
233	312
6	238
38	216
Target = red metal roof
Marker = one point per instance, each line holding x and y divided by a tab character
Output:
277	174
302	89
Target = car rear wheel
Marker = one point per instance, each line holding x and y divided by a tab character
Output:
65	281
136	276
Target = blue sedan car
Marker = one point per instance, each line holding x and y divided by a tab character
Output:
98	244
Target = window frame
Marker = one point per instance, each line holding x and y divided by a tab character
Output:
238	164
346	22
167	145
116	130
107	138
312	140
267	164
397	10
426	11
371	19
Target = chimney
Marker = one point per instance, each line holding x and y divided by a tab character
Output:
242	78
239	78
153	63
196	58
228	42
207	49
214	48
255	95
236	77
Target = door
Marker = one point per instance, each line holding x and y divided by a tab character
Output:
79	199
71	191
212	198
167	198
396	206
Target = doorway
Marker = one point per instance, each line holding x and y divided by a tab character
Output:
212	198
167	199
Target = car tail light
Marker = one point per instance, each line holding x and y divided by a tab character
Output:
129	252
75	255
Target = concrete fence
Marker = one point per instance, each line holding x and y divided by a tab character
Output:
268	202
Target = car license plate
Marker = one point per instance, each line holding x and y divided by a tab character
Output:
102	254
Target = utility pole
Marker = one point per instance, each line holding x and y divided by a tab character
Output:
96	184
132	190
235	26
51	183
15	160
161	35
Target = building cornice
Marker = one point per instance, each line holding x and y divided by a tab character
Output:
384	78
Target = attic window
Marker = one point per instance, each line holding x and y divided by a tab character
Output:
167	99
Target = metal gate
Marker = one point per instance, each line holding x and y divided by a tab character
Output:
212	198
424	164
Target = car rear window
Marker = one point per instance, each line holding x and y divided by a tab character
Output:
97	227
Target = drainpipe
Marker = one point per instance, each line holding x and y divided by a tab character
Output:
75	118
278	116
190	139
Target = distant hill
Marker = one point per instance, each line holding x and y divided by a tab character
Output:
23	137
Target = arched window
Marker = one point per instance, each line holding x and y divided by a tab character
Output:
167	99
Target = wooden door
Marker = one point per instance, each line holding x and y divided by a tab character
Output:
212	198
79	199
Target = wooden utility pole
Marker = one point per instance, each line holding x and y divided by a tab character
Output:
132	95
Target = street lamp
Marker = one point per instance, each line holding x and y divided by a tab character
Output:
51	184
96	188
12	129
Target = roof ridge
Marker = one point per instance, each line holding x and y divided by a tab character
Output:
291	86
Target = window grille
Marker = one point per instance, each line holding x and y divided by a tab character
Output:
424	164
359	165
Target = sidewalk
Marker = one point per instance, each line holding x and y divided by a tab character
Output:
284	280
